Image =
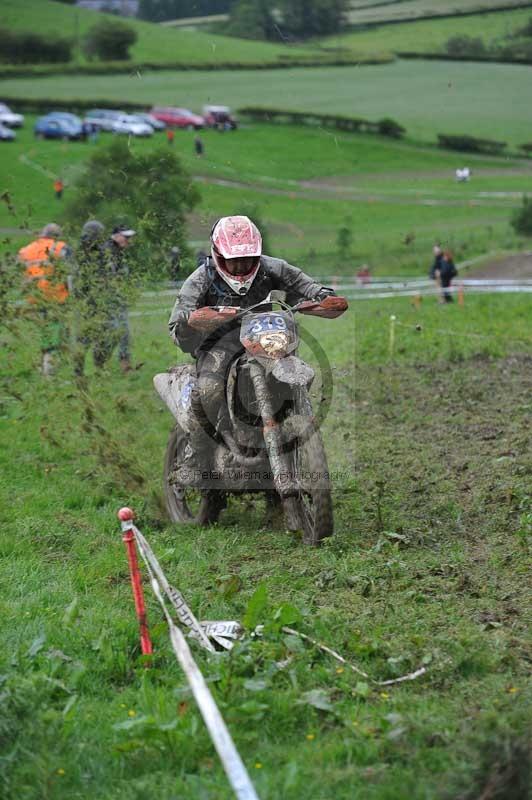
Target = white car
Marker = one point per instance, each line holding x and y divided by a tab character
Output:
131	126
6	134
9	118
102	119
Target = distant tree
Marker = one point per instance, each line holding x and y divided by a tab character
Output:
296	19
150	191
109	41
522	218
305	18
160	10
460	46
252	19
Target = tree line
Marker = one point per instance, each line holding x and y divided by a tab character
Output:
258	19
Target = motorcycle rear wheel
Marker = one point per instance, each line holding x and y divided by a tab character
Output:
313	503
185	504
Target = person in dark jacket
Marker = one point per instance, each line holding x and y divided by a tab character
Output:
86	289
443	270
236	275
115	249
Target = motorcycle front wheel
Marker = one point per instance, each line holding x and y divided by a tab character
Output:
184	503
313	502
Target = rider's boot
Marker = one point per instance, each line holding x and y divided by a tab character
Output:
197	457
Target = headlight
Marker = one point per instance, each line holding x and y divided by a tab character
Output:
274	344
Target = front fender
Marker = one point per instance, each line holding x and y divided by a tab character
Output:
293	370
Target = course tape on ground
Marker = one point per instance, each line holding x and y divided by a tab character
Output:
223	633
232	763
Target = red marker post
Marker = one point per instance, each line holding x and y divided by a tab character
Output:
126	516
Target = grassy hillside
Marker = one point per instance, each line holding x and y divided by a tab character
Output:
449	97
428	566
307	183
430	36
155	43
362	14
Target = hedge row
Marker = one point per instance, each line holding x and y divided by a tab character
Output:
386	127
25	47
470	144
492	59
44	104
121	67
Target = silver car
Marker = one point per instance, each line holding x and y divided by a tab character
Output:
131	126
9	118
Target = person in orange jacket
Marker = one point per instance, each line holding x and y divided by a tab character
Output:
58	188
40	259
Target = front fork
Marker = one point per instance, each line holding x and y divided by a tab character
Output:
283	481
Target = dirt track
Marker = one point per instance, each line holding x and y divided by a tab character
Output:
518	266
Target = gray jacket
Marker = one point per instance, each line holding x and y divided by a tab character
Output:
205	287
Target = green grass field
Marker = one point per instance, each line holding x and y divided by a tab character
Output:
449	97
307	184
428	447
428	566
429	36
408	9
155	43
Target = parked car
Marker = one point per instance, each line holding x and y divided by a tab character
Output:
66	115
102	118
215	116
9	118
53	127
178	118
131	126
156	124
6	134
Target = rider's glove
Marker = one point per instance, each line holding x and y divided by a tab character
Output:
324	292
207	319
330	307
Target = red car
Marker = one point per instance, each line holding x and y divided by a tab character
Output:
178	118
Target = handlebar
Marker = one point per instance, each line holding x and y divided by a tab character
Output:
331	306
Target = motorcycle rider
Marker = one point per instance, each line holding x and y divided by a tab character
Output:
235	276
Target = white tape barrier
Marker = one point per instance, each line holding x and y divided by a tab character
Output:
346	282
232	763
406	290
521	289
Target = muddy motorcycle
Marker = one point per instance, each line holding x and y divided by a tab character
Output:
274	446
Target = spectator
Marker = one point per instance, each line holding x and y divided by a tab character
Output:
364	274
175	262
117	266
58	188
442	272
448	271
170	135
198	146
44	260
201	258
93	291
90	131
463	174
